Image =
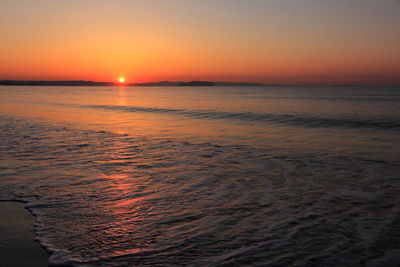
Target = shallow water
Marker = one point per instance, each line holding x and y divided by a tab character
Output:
275	176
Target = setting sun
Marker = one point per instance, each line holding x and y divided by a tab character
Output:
121	79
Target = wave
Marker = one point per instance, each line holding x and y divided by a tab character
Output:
391	98
197	204
386	123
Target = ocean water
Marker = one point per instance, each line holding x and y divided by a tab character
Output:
206	176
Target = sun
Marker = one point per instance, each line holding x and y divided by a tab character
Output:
121	79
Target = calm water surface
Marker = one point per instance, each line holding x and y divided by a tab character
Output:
172	176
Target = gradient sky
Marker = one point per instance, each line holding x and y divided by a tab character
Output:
271	41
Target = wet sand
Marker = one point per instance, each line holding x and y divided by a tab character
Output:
17	246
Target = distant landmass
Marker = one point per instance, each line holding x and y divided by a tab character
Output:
55	83
91	83
197	83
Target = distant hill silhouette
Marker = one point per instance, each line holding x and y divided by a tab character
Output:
55	83
91	83
198	83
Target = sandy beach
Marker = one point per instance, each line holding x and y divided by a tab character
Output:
17	246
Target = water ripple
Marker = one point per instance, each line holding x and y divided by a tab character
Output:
115	200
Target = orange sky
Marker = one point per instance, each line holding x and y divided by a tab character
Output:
276	41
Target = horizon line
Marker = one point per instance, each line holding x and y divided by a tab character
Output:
13	82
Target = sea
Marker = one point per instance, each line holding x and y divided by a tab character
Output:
206	176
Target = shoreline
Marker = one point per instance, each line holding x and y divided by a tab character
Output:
18	246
